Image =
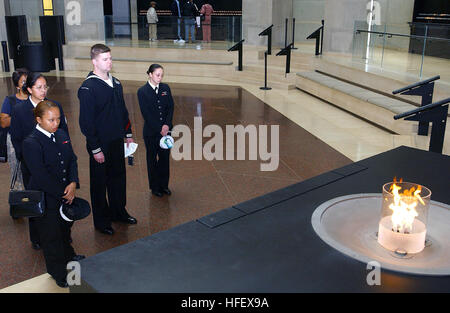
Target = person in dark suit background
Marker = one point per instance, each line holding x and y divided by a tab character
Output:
19	78
23	123
189	13
176	8
156	104
52	164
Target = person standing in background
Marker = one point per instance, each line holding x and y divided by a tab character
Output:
152	19
189	13
23	122
54	170
19	78
206	10
176	12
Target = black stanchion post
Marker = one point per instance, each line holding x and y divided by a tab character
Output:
285	32
265	73
288	60
240	57
436	113
318	36
321	36
5	56
424	89
293	34
287	52
268	32
269	42
238	47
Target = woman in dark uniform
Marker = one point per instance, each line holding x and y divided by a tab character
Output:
22	124
156	103
19	78
52	163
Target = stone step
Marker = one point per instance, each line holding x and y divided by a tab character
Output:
371	106
184	69
381	82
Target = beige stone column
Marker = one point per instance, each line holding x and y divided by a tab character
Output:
259	14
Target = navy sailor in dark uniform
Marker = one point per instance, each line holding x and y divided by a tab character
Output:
156	103
105	123
52	164
23	123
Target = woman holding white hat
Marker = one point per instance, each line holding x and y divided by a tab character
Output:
50	159
156	103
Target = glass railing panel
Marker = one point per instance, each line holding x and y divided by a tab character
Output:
436	58
359	41
396	57
416	49
377	45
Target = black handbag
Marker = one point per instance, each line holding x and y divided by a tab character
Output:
25	203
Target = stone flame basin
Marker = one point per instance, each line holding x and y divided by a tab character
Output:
350	224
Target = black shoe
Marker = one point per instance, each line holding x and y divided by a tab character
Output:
78	257
106	230
62	283
167	191
128	220
157	193
36	246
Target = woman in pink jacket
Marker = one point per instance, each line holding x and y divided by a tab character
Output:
206	10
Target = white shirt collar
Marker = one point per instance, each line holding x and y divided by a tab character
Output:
153	86
46	133
32	102
109	80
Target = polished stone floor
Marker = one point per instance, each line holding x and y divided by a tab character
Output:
199	187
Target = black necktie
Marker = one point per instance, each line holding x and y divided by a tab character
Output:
53	137
156	90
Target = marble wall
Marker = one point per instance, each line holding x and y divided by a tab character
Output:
256	16
308	16
32	9
3	36
339	16
84	19
91	26
260	14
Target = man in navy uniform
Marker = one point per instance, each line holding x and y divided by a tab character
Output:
105	123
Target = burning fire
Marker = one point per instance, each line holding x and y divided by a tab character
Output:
404	207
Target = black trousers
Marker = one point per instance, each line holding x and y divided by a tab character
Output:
32	227
108	179
54	233
157	164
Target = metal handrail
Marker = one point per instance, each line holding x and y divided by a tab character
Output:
421	109
401	35
423	82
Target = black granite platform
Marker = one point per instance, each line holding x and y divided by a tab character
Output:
268	245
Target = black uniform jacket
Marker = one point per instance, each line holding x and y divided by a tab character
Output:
53	165
23	122
103	114
157	109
